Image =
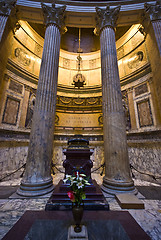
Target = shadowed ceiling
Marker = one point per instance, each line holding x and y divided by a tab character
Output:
70	40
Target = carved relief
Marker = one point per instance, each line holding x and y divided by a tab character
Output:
54	15
79	101
100	119
144	113
16	87
38	49
64	100
92	63
56	119
11	111
135	60
6	6
91	101
66	63
106	18
22	56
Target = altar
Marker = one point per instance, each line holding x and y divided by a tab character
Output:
48	225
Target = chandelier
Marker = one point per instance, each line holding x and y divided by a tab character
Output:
79	79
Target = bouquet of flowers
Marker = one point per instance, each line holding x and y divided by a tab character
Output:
77	183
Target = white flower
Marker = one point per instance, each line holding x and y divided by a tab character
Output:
82	175
68	176
80	185
65	180
72	182
80	178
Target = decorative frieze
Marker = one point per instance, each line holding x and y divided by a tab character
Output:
22	56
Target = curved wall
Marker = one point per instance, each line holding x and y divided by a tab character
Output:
78	110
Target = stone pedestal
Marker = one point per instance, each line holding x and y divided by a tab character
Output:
83	235
37	179
117	172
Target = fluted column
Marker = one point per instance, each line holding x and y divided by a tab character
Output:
5	10
5	36
37	178
153	15
117	172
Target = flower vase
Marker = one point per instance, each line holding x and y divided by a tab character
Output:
77	215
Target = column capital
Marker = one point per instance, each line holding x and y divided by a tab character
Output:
6	6
106	18
153	10
27	87
129	90
54	15
152	13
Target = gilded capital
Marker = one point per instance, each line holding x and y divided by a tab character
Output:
153	10
106	18
54	15
6	6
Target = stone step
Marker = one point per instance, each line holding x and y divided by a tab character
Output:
129	201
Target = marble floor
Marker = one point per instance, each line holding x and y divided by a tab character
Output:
149	218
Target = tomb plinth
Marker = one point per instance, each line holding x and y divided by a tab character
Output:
77	158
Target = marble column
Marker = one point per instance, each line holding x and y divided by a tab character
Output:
24	107
5	36
37	179
153	13
117	177
152	26
5	10
132	109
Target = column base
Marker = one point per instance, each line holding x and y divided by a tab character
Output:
116	187
35	189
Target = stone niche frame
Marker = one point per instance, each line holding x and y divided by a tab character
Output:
148	115
142	95
6	108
